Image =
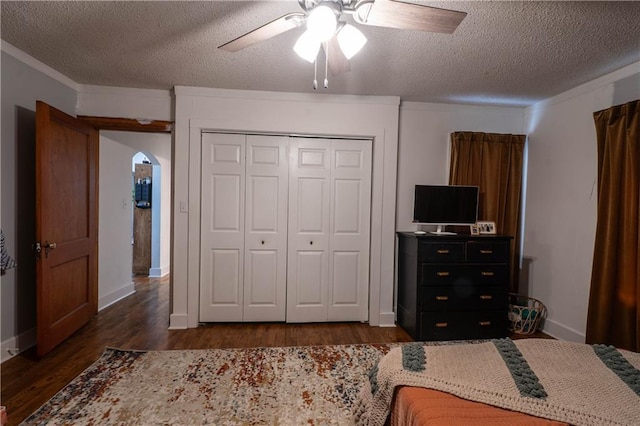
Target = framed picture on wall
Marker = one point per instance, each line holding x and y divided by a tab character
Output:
486	227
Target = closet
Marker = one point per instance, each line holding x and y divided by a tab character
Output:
285	228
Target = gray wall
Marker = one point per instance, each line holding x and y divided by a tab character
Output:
21	86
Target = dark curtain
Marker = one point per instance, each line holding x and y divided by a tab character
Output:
613	316
494	163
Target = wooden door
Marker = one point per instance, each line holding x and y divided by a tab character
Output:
222	227
66	225
265	240
142	226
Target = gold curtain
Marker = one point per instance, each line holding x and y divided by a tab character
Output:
494	163
613	316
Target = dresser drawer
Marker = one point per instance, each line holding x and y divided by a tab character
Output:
440	252
489	275
444	275
461	274
488	251
463	298
463	325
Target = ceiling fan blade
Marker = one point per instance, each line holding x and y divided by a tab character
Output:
338	63
408	16
265	32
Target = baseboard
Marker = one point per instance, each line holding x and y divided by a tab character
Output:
178	322
159	272
13	346
387	319
562	332
111	298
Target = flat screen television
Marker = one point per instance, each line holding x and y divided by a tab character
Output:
443	205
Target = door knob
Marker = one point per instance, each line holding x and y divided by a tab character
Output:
48	246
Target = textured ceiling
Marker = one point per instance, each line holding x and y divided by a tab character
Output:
505	53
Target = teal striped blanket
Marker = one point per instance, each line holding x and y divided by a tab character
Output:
571	382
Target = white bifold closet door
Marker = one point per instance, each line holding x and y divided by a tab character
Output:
243	227
329	230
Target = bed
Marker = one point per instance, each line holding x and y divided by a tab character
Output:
524	382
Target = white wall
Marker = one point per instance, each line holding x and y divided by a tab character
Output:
24	80
424	146
114	227
562	194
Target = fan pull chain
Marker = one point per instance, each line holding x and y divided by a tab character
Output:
326	66
315	74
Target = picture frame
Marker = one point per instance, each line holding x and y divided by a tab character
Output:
486	227
474	230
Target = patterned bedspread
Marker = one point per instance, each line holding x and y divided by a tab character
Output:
570	382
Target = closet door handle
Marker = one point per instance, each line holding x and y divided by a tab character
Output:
311	242
262	242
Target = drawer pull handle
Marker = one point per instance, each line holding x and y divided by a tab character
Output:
441	324
486	297
486	251
443	251
443	274
442	297
485	323
486	274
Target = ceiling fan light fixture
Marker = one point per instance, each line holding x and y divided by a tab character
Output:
351	40
322	22
307	47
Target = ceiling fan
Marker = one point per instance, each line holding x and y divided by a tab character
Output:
341	40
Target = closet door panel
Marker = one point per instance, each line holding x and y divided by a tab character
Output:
311	268
309	190
262	273
346	271
224	268
350	204
265	240
222	227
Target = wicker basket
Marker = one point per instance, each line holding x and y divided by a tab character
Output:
525	313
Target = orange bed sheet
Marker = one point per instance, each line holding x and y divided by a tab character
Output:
418	406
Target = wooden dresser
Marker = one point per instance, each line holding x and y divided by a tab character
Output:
453	287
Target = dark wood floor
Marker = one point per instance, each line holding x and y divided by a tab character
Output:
140	322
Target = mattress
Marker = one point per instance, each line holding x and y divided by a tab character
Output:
413	406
